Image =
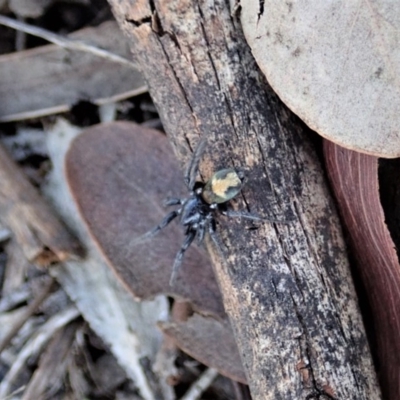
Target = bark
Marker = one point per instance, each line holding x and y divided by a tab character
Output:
286	285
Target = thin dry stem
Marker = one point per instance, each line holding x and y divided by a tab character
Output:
35	344
63	41
201	384
28	313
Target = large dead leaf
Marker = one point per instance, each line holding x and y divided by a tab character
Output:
119	174
112	313
354	179
50	79
335	64
209	341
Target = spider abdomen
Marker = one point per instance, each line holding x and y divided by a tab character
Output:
223	186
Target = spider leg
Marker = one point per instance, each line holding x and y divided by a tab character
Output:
167	219
242	214
172	201
246	215
193	167
178	259
213	236
201	230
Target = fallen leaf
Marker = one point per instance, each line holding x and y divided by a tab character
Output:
119	174
209	341
335	64
50	79
354	178
104	302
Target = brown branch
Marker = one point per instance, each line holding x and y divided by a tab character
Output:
42	237
287	287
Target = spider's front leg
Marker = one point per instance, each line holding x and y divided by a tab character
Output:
213	235
246	215
178	259
202	227
193	167
167	219
242	214
173	201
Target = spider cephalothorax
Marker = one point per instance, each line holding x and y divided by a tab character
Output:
196	212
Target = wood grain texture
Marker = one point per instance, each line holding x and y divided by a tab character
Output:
286	286
354	178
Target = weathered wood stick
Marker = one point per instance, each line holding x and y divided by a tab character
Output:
287	286
41	235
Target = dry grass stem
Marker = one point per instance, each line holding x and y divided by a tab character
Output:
201	384
63	41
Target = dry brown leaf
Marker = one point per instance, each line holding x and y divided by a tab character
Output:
335	64
50	79
209	341
354	178
112	313
119	174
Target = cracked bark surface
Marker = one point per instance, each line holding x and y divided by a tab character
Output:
286	285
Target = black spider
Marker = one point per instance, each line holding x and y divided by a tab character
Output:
196	212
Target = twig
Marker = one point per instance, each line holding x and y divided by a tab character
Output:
53	364
20	38
63	41
28	312
15	392
34	345
41	235
201	384
15	297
